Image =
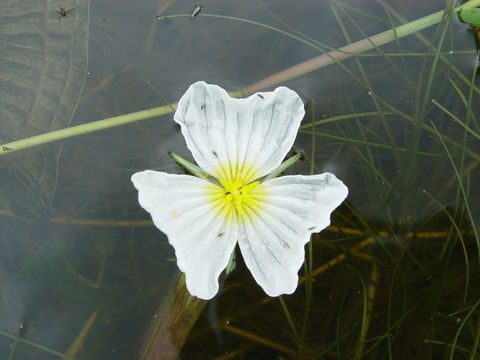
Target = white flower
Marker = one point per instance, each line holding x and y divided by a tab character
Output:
237	142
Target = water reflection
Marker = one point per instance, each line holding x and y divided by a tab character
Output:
394	274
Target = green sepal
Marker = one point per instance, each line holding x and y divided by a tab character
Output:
231	264
283	166
190	167
470	17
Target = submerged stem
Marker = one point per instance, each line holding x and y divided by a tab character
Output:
171	324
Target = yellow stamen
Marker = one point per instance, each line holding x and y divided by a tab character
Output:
237	197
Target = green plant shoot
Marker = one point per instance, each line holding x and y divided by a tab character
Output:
470	17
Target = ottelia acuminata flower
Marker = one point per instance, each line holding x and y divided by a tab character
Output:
236	143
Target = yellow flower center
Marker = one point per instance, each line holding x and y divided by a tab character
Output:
236	198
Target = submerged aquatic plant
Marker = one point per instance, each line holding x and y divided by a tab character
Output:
237	143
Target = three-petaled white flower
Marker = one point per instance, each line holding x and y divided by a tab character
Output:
238	142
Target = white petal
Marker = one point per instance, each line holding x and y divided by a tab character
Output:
203	240
272	242
227	135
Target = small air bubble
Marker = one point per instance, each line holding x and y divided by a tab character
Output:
370	93
227	322
450	52
458	321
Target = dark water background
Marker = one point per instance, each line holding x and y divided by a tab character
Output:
410	293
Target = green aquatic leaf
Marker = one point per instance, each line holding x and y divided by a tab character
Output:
43	58
470	16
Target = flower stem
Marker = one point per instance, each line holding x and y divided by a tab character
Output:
171	324
295	71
